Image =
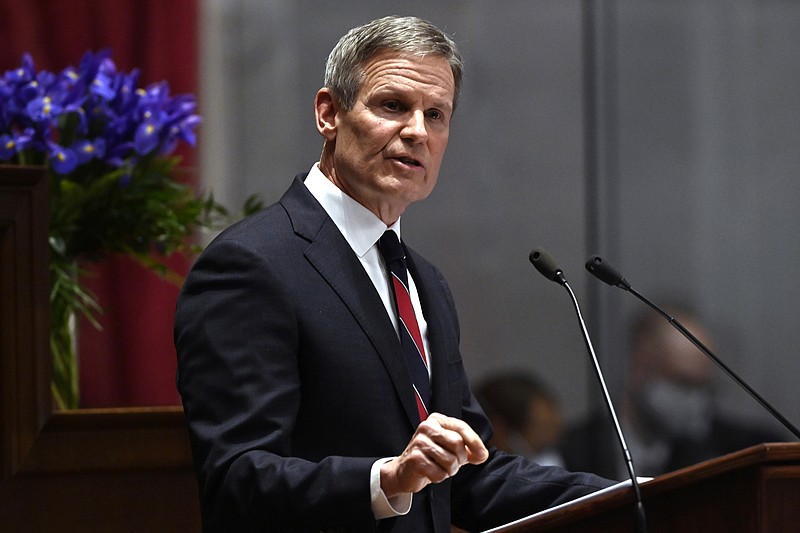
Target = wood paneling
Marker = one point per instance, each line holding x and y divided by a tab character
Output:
83	470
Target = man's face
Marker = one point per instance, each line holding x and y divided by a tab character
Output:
386	151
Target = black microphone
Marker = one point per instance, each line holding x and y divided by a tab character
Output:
605	272
548	267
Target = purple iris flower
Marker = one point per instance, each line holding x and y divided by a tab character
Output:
90	113
103	84
10	145
43	108
148	134
86	150
63	160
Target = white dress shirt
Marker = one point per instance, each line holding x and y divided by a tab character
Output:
362	229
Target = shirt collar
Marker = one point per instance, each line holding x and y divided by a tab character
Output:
359	226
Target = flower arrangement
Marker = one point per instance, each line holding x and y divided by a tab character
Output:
106	144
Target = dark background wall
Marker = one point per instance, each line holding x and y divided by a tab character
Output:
706	150
661	134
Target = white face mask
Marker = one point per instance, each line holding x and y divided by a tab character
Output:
676	411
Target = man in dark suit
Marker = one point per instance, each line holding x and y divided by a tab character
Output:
301	407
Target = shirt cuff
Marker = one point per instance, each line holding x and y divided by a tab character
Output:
383	507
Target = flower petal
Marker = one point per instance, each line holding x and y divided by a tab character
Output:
63	160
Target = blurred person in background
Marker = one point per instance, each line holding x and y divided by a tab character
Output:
525	415
670	414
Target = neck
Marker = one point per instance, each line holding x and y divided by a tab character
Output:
386	211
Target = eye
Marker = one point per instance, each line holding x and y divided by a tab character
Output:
435	114
392	105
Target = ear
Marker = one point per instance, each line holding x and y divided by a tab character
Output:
325	109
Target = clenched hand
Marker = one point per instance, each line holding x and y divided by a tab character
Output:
439	447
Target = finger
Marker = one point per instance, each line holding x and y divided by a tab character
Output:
425	460
476	451
442	448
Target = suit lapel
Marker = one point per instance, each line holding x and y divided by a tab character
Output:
335	261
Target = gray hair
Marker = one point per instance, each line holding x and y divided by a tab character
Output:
344	70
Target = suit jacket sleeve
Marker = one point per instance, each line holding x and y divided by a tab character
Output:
237	336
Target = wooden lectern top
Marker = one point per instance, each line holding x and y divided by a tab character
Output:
753	490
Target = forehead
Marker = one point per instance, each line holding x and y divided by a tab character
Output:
402	71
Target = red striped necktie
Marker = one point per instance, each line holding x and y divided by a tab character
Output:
410	337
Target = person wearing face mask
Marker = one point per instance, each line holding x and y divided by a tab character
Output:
670	415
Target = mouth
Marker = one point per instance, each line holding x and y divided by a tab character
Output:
409	161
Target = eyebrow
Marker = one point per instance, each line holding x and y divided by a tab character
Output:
398	90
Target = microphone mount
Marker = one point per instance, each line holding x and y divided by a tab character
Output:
547	266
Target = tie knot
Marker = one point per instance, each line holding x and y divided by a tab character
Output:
390	247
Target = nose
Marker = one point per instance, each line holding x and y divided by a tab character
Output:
415	128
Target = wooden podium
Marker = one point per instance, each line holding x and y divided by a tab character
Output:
753	490
126	469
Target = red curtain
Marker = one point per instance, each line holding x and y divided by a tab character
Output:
131	362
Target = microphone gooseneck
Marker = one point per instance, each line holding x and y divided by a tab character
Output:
604	272
547	266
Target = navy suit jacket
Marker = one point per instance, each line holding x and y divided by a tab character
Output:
293	383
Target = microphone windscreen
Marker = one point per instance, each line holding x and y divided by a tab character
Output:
603	271
545	264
